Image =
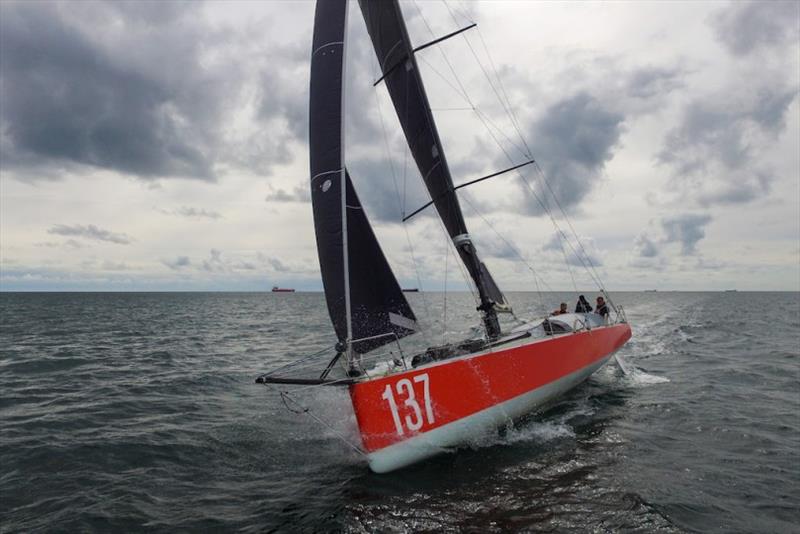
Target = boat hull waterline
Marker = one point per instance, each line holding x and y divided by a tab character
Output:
407	417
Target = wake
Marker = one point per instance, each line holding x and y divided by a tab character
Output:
637	377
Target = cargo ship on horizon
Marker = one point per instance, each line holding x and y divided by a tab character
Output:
276	289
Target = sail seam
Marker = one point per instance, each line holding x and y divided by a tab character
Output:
389	53
327	44
326	172
438	163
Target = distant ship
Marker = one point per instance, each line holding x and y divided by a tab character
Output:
410	290
276	289
651	290
731	290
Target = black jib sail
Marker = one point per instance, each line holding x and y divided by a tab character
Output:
364	298
393	47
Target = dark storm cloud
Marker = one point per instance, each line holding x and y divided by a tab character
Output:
192	213
141	88
575	139
718	151
284	93
686	229
579	132
710	131
281	114
745	27
90	232
69	97
715	150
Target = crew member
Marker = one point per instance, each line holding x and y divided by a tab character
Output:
583	305
602	308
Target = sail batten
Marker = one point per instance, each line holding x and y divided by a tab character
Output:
386	29
365	302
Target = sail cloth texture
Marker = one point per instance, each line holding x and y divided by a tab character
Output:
389	36
360	289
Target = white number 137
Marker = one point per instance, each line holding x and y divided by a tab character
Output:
404	387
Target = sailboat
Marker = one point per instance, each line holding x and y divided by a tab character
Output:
415	407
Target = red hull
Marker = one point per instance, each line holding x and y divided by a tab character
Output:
407	405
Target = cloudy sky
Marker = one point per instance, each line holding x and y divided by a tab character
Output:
163	145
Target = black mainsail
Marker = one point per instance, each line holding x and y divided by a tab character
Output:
367	306
400	73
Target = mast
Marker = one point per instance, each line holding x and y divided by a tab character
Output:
345	247
365	302
400	73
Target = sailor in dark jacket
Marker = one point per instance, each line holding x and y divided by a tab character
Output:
583	305
602	309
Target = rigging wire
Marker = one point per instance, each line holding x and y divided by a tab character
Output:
463	91
512	118
590	268
504	103
511	113
569	268
444	314
464	274
402	205
485	121
488	123
517	253
562	236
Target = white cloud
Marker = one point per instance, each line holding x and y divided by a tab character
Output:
674	155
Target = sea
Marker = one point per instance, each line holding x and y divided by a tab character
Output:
126	412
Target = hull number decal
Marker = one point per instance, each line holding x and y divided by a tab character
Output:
407	395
